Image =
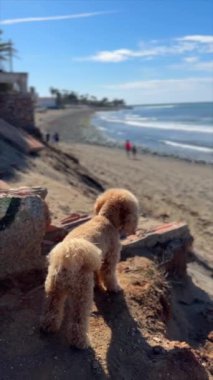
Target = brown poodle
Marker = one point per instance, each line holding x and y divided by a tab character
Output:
73	262
116	211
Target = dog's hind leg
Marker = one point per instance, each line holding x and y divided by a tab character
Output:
53	311
80	305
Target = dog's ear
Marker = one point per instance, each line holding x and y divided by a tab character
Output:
98	204
123	212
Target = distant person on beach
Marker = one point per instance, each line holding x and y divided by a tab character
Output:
128	147
56	137
134	151
47	137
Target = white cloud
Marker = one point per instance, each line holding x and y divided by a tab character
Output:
193	64
198	38
190	59
202	43
112	56
51	18
122	55
203	66
154	48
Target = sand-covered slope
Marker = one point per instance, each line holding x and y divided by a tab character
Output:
133	334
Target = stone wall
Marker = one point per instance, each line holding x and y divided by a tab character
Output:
17	80
17	109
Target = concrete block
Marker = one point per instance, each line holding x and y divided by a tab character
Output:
22	228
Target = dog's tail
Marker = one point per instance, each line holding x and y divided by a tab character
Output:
68	258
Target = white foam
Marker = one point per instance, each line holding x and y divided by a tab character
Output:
120	133
159	106
143	123
188	146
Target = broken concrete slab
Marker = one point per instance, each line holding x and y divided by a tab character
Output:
168	244
22	228
57	233
160	234
72	224
72	218
19	138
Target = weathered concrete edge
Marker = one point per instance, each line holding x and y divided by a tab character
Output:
151	239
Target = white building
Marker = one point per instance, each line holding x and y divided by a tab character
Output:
45	102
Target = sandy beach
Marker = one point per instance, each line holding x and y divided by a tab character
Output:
168	188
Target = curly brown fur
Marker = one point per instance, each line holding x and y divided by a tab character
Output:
120	207
71	277
116	210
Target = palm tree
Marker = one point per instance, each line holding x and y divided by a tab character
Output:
7	52
58	96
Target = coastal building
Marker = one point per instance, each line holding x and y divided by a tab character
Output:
16	101
46	102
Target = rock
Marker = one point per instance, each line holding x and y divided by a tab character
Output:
22	227
26	190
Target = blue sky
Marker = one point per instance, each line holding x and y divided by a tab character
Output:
143	51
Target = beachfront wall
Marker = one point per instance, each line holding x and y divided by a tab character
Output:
17	109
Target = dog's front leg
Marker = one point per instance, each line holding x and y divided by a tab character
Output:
108	271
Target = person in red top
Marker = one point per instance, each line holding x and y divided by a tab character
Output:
128	147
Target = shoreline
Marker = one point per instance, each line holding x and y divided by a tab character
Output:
84	131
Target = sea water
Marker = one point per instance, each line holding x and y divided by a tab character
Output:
183	130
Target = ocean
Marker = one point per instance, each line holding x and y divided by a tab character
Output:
182	130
